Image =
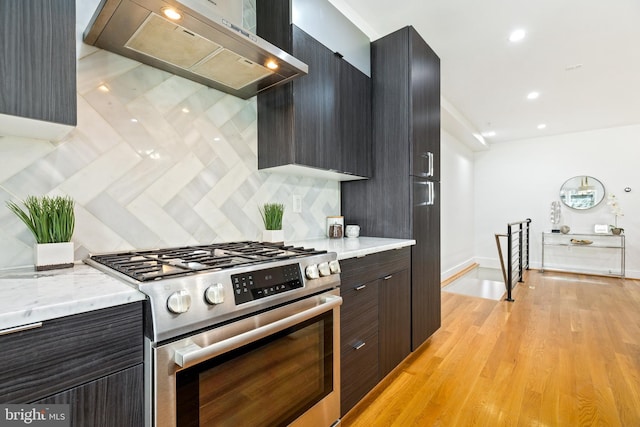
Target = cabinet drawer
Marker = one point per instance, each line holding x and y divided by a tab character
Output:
359	313
69	351
359	373
365	269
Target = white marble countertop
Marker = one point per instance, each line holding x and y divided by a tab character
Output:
355	246
28	296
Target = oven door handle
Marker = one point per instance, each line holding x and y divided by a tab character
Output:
193	354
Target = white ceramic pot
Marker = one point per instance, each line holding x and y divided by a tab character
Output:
273	236
50	256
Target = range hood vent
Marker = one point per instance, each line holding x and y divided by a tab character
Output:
200	45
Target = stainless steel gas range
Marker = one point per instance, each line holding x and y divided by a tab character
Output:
242	333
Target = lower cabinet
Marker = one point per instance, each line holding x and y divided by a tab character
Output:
394	317
359	342
91	361
375	320
115	400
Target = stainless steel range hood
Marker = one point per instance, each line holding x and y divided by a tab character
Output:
203	43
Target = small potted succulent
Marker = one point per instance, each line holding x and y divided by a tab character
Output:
272	218
51	220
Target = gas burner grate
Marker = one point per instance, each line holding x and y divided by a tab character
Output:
163	263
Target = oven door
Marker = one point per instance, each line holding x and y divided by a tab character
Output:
277	368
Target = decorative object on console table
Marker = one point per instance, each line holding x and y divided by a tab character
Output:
272	214
554	216
616	211
51	220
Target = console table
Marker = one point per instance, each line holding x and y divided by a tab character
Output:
597	246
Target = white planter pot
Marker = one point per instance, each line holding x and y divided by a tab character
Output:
50	256
273	236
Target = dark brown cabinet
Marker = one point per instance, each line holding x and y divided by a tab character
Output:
394	317
321	120
359	342
424	103
91	361
38	60
375	323
402	199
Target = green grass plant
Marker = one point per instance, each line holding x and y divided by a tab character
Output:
50	219
272	215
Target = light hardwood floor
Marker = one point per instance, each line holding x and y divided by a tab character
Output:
565	353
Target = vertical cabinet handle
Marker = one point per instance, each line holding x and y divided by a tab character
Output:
430	171
432	196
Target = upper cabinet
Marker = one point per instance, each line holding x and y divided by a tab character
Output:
424	97
319	124
38	68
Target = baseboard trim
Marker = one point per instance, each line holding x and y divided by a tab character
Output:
459	274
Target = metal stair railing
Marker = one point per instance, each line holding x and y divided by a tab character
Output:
517	254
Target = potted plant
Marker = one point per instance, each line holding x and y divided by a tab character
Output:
51	220
616	211
272	218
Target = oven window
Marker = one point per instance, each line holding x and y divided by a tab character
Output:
270	382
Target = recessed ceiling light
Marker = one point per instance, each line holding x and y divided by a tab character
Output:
103	88
533	95
517	35
185	110
488	134
542	126
134	120
171	13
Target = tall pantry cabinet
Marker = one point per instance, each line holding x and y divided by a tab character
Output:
402	199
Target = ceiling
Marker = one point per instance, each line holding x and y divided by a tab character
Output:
581	56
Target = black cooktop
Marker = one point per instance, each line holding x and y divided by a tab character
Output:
157	264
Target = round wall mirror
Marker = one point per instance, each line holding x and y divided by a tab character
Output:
582	192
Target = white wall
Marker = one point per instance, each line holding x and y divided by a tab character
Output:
457	189
519	179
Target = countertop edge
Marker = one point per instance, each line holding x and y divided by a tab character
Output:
346	248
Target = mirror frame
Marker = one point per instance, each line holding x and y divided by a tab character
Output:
582	192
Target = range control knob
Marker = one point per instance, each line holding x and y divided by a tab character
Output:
214	294
179	302
312	272
334	266
324	269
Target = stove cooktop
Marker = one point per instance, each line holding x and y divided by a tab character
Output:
156	264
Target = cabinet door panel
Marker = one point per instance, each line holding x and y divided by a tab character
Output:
38	60
69	351
425	112
113	401
425	270
355	120
394	331
316	104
